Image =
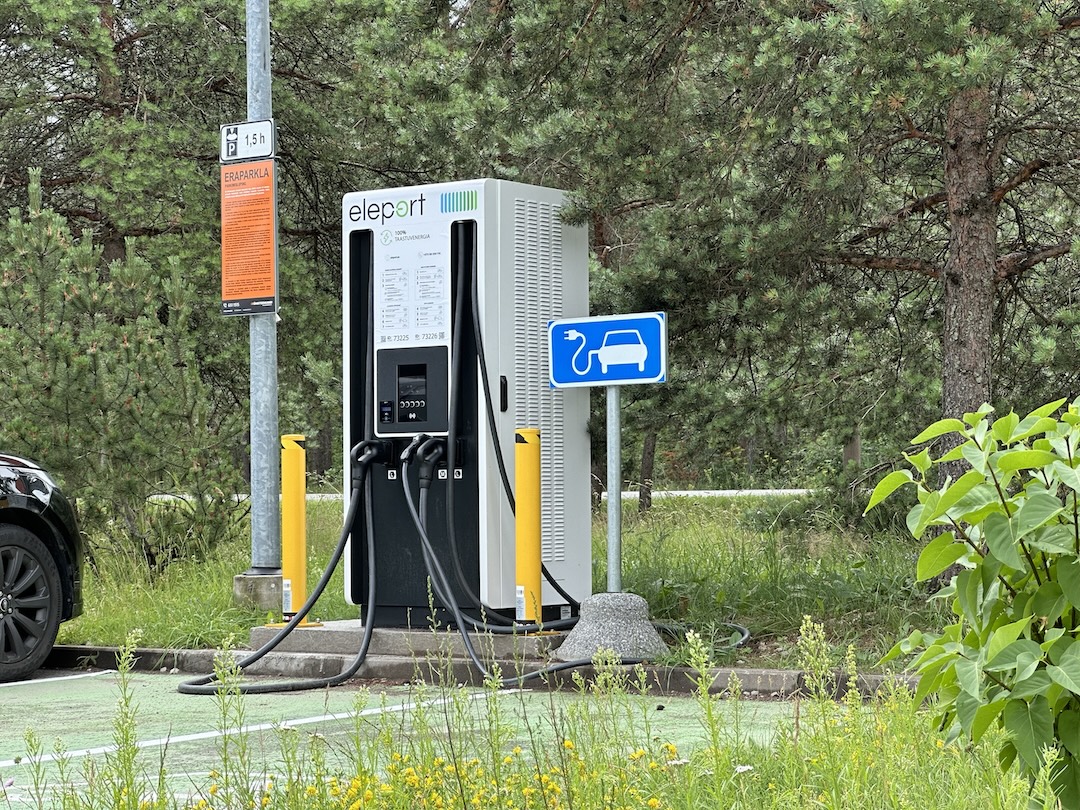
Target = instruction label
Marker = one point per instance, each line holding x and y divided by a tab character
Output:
412	286
248	238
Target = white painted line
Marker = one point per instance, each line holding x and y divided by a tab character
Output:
210	735
35	681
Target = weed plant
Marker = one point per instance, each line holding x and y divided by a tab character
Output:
698	565
485	748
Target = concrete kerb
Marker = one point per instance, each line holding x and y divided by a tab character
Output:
760	684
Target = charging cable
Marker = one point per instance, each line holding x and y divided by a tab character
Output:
429	452
364	455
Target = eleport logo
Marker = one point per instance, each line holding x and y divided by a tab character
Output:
454	202
389	209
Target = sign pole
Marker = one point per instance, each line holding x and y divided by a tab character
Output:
614	491
609	351
262	334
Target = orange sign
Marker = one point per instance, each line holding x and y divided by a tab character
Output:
248	238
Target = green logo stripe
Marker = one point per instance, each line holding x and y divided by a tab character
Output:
453	202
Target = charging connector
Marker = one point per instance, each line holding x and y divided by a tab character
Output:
428	455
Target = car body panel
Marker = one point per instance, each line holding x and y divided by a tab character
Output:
30	498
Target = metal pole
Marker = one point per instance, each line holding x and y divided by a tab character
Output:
262	333
614	491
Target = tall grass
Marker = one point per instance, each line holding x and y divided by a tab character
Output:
698	562
705	562
459	748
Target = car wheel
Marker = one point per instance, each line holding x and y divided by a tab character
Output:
30	600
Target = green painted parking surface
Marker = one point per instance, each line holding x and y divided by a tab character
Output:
184	736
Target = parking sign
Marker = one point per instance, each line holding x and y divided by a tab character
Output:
608	350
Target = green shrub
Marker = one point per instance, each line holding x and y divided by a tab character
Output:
102	386
1008	517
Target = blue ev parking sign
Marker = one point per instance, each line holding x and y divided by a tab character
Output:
608	350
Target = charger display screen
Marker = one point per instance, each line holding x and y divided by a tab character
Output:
412	393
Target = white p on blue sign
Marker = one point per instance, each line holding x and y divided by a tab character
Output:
608	350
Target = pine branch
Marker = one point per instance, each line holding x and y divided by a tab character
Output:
1013	264
1027	171
893	218
872	262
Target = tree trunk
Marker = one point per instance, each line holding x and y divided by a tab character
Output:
110	96
970	265
648	469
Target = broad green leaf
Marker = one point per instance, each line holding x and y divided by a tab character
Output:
1057	651
925	517
905	646
1013	460
1052	635
920	461
984	716
1067	674
1009	657
1031	728
1068	726
1026	664
1003	428
1071	653
980	511
969	676
938	555
1035	684
974	456
967	707
1047	409
997	532
956	453
940	428
968	591
1067	475
1049	603
957	490
1006	756
1068	577
1004	636
1041	425
914	518
1054	539
930	679
1036	511
887	486
973	418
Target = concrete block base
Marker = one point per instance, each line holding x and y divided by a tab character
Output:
262	591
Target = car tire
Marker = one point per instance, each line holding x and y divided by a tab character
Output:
30	602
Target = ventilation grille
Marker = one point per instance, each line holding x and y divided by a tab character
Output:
538	297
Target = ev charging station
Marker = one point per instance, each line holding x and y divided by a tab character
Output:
448	291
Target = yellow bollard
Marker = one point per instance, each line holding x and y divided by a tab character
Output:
528	563
293	525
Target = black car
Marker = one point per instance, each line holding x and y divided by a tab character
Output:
41	559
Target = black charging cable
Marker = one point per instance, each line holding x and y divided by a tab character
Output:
429	452
364	455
